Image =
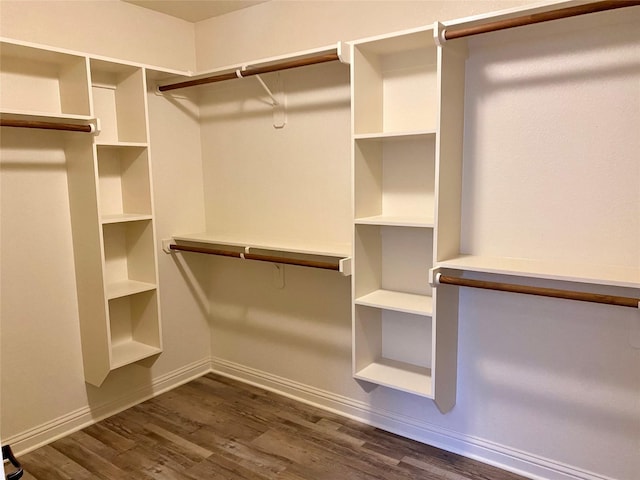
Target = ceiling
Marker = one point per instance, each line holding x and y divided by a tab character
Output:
195	10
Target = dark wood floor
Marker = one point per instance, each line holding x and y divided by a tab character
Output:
216	428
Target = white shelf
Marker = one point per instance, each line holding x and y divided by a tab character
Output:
397	220
582	273
307	248
127	287
125	217
398	375
28	115
116	144
391	136
125	353
398	301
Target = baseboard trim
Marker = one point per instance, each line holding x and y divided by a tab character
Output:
83	417
507	458
504	457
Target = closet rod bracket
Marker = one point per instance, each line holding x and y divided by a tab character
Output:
278	98
166	245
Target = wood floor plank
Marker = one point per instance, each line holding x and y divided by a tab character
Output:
46	463
73	448
216	428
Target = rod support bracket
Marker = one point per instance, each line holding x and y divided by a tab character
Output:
345	266
439	31
434	277
166	245
278	99
344	53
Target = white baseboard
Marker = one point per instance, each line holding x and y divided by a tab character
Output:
76	420
485	451
504	457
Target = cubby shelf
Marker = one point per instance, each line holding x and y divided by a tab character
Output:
124	288
124	217
399	376
398	301
397	220
116	144
128	352
391	136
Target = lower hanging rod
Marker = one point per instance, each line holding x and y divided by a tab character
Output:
68	127
539	291
538	18
258	257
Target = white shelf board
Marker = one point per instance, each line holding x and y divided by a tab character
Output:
33	116
398	301
570	272
124	217
388	136
397	220
398	375
397	42
127	287
309	248
125	353
116	144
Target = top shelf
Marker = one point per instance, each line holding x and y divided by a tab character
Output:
568	272
275	245
43	82
394	81
394	43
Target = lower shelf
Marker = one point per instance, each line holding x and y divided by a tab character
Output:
127	287
125	353
398	301
398	375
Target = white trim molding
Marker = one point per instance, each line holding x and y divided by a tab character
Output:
501	456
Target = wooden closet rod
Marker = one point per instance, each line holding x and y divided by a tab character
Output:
544	292
537	18
253	256
241	73
69	127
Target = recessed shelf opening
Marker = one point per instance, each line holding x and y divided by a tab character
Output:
134	328
124	182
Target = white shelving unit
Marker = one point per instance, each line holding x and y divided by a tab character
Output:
396	95
109	183
125	215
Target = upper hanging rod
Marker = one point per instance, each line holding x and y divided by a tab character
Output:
544	292
68	127
254	256
248	72
537	18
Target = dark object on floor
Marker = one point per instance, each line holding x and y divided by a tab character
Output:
7	454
